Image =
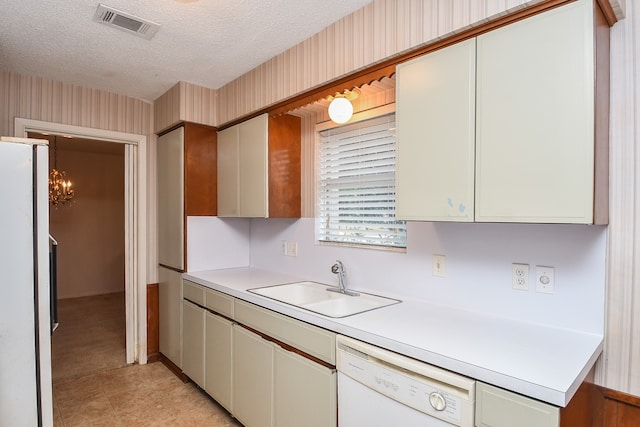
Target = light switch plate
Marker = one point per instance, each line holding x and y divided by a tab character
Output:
292	248
438	267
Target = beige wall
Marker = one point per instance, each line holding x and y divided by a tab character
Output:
90	232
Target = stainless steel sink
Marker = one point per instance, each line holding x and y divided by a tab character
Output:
315	297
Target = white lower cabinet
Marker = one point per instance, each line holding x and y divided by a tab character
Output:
252	378
170	303
275	371
304	392
193	324
218	353
496	407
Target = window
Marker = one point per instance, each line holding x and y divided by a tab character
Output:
356	191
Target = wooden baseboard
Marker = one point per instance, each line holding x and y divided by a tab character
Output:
153	357
173	368
153	322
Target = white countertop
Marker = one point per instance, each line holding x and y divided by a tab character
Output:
547	364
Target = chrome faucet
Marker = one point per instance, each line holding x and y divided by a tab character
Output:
338	268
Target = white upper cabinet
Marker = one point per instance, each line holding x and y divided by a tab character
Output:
259	168
242	169
253	153
502	128
435	118
535	119
170	166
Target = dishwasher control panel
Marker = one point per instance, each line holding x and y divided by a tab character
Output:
431	390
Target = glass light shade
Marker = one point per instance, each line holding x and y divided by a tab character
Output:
340	110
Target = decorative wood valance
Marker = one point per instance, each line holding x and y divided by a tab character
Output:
387	67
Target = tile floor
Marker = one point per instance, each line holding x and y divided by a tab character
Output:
92	385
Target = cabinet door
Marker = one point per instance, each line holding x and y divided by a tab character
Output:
170	167
228	172
253	149
169	305
252	378
535	119
435	117
305	392
499	408
218	351
193	341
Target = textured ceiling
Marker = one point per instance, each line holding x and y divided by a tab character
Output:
204	42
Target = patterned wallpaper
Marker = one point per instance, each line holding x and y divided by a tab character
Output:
38	98
619	369
378	31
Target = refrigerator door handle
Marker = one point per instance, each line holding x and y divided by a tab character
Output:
53	282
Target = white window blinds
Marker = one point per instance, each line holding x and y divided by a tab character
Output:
356	202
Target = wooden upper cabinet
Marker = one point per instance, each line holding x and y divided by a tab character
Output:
285	139
187	186
259	168
528	142
201	179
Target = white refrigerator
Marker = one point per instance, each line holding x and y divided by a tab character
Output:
25	323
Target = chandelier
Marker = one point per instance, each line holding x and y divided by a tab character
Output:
60	191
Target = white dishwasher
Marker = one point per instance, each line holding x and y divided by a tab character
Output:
379	388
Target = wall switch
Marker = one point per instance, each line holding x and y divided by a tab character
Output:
292	248
283	247
520	276
545	279
437	269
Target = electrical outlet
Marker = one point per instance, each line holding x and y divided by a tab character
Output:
438	265
520	276
545	279
283	247
292	248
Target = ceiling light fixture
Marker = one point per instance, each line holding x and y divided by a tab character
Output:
60	191
340	108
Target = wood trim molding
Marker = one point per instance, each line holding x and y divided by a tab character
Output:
612	408
173	368
153	322
609	13
620	397
387	67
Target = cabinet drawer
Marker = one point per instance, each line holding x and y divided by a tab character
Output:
219	302
496	407
193	292
312	340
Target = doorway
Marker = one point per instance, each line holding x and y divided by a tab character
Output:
136	263
90	234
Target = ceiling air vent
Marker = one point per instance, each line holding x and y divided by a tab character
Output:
123	21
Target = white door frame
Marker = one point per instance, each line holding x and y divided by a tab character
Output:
135	222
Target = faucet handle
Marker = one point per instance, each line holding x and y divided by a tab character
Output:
337	268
